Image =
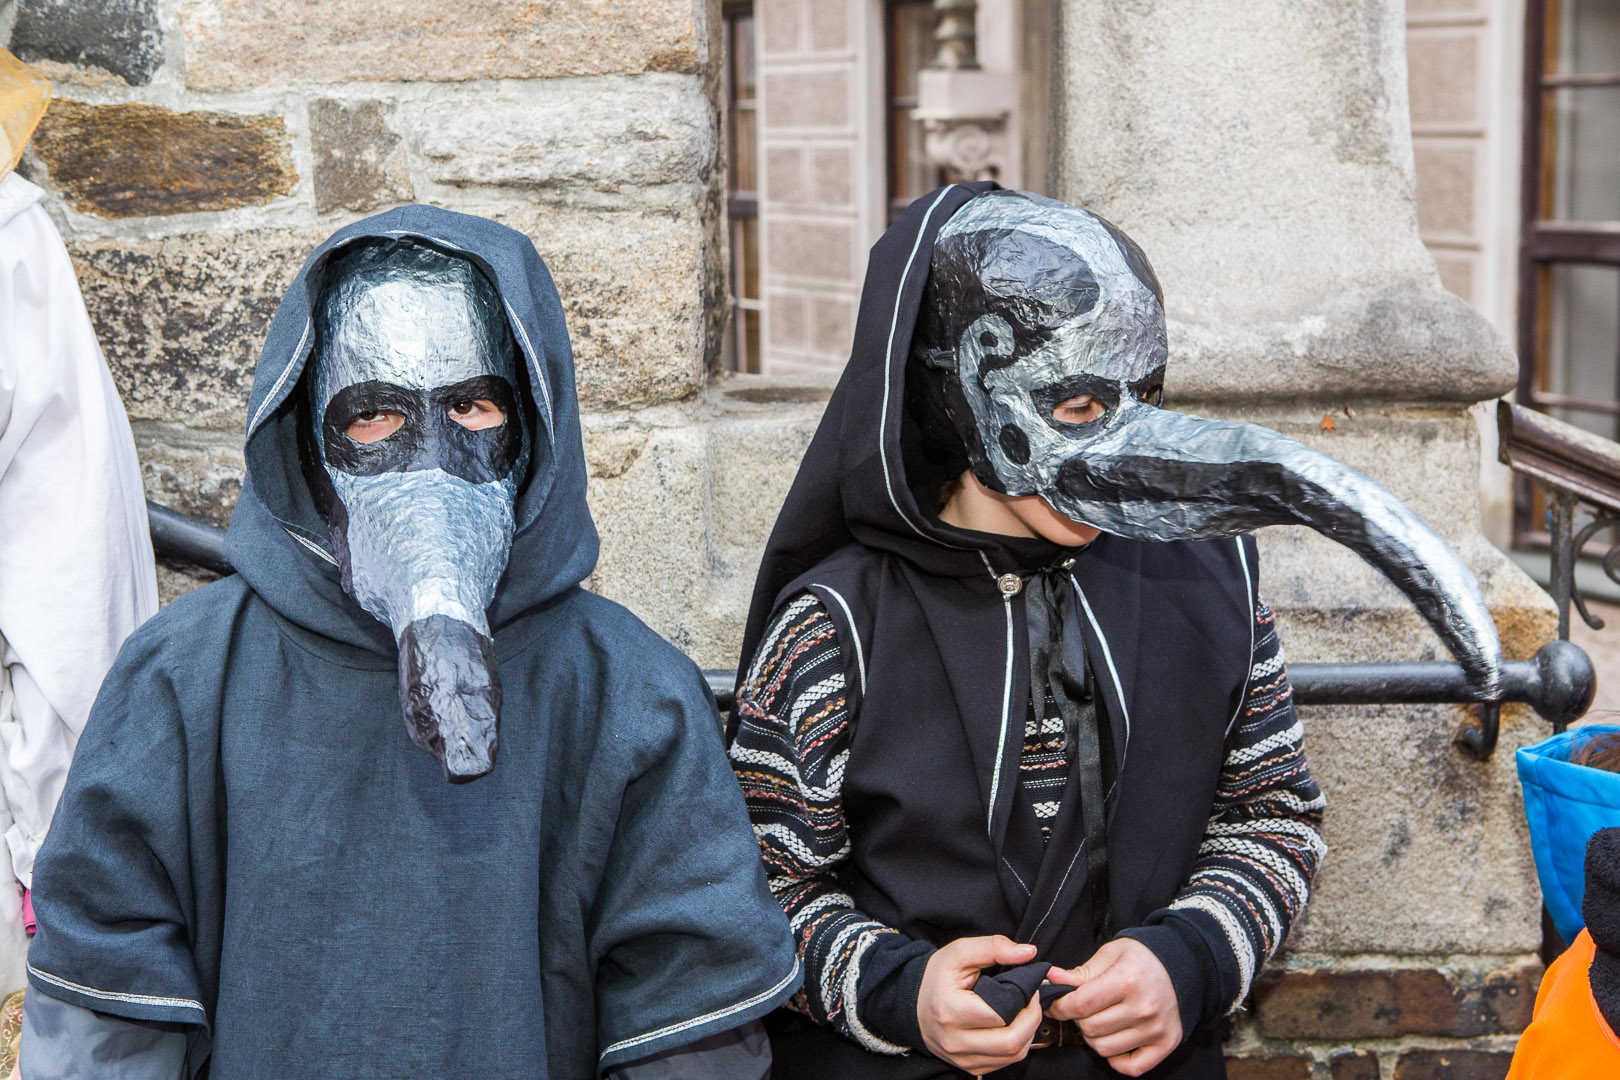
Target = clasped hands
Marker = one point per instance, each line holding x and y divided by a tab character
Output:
1123	1002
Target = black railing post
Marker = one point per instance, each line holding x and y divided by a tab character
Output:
1561	573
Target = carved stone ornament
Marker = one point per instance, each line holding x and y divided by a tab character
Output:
970	148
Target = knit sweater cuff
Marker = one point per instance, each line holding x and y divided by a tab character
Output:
1190	946
886	994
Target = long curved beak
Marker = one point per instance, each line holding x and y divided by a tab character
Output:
1158	475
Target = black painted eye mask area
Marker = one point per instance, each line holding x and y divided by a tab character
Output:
392	454
1149	389
1049	397
429	438
489	453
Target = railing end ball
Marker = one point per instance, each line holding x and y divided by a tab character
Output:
1565	685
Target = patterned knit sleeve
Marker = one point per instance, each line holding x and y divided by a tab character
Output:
1263	843
789	753
1260	852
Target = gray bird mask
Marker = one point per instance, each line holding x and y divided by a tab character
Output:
419	447
1032	303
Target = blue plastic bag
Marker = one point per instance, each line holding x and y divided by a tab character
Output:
1565	804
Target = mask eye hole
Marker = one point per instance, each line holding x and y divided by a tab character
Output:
1154	397
374	426
1080	409
476	414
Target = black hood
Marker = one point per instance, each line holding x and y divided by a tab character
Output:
854	483
279	542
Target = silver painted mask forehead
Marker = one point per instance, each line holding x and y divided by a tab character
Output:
406	314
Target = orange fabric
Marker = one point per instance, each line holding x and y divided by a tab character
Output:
1568	1038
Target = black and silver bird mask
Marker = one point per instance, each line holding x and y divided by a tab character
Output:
1032	303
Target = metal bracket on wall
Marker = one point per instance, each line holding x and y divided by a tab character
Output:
185	539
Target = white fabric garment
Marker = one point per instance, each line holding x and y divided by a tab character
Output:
76	572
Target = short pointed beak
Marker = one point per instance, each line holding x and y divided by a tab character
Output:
450	689
1159	475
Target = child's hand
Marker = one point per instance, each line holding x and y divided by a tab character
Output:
957	1025
1124	1003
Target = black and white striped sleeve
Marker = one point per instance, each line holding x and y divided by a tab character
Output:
1261	849
789	754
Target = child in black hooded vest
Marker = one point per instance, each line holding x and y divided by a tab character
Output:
869	799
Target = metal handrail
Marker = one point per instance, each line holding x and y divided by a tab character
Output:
1576	467
177	536
1558	683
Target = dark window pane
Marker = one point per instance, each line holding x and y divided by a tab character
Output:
744	69
745	258
1569	313
913	175
749	321
1582	336
911	48
740	351
911	45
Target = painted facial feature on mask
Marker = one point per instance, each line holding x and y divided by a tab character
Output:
1045	328
413	391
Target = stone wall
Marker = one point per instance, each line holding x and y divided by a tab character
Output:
197	149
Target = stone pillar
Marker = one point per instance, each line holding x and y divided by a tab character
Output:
1261	154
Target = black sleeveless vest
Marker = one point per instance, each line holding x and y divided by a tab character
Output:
939	691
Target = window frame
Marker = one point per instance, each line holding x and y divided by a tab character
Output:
1546	242
893	204
742	206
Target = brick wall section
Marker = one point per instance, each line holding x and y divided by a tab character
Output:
1268	1067
1381	1003
1354	1022
1452	1065
1353	1065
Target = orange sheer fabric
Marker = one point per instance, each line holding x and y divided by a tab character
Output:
1568	1038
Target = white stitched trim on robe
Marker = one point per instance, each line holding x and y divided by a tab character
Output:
699	1021
113	995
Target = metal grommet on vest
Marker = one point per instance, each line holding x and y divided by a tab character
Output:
1009	584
